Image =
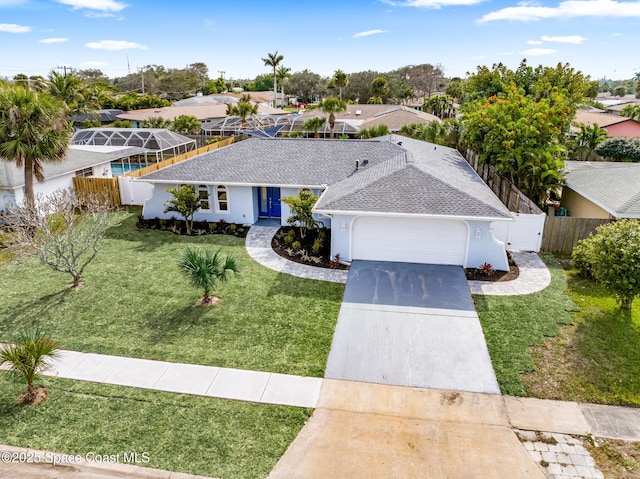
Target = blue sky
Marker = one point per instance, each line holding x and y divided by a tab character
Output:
599	37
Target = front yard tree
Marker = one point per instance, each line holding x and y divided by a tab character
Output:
204	269
185	202
34	129
332	105
301	211
64	230
612	258
28	357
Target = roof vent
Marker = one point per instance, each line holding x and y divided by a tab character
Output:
365	162
358	112
357	164
399	143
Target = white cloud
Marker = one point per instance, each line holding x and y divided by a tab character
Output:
103	5
535	52
53	40
616	34
114	45
368	33
575	39
567	9
13	28
99	15
535	42
436	3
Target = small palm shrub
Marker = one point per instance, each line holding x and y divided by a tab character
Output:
206	268
27	358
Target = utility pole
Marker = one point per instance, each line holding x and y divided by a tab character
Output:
128	65
63	68
222	72
142	73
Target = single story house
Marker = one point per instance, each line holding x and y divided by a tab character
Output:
80	161
601	189
614	125
390	198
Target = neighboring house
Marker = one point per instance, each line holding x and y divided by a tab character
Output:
105	117
614	105
614	124
204	112
80	160
390	199
607	190
360	117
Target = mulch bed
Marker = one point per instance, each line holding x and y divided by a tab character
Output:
477	274
280	247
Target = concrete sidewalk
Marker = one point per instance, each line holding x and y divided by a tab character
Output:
225	383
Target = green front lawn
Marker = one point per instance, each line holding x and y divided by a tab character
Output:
512	324
204	436
136	303
597	358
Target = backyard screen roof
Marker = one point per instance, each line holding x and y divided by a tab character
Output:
156	140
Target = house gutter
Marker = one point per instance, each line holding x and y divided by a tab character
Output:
228	183
331	213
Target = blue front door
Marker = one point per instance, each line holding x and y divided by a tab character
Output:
269	202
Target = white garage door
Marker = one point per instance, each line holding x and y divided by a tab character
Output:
409	240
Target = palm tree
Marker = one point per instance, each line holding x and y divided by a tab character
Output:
283	73
631	111
156	122
340	80
379	87
314	124
27	358
33	129
72	92
244	109
589	138
273	60
332	105
204	269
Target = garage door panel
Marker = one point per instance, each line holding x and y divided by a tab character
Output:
409	240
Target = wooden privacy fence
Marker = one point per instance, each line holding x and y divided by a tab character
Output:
562	233
99	186
177	159
514	199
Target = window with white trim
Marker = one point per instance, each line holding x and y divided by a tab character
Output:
222	199
84	173
203	196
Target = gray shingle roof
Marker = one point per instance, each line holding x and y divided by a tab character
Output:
428	179
278	162
415	177
613	186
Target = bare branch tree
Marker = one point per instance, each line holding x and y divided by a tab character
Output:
64	230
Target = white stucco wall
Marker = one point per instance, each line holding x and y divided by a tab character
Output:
240	199
484	247
341	236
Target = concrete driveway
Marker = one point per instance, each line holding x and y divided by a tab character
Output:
410	325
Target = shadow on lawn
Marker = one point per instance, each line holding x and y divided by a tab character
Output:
169	323
29	313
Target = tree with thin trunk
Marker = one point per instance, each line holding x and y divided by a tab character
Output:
283	74
340	80
332	105
273	60
34	129
64	230
314	124
27	358
184	201
589	138
243	109
72	91
204	269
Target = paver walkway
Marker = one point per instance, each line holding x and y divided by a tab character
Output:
258	244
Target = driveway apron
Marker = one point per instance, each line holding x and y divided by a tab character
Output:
410	325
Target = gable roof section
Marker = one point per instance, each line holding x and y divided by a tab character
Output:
278	162
427	180
615	187
602	119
